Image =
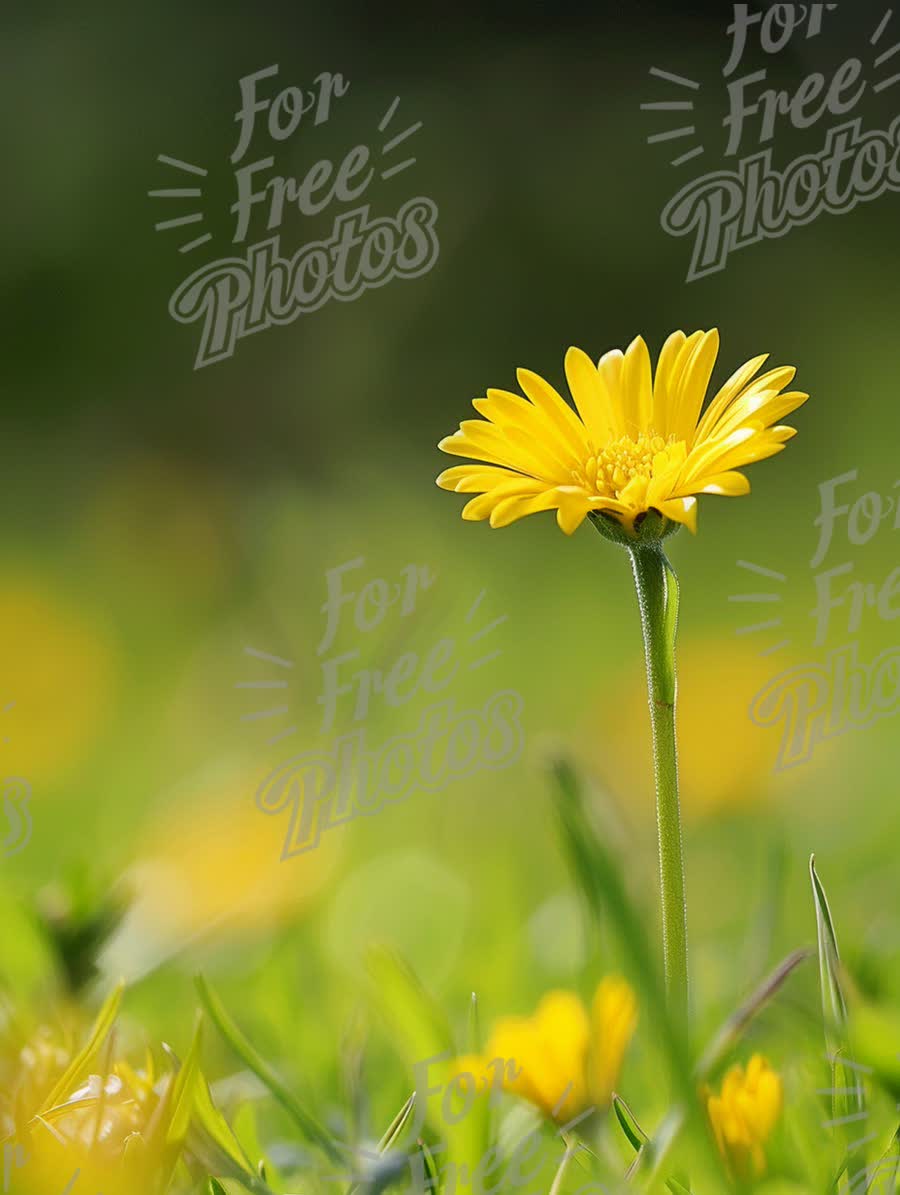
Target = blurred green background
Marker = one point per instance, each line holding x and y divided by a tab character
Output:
160	519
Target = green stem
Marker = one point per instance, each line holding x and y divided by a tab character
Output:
657	590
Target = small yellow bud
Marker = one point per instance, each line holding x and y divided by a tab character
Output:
744	1116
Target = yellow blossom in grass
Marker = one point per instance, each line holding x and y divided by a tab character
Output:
635	442
59	676
744	1116
76	1114
725	760
108	1127
565	1059
210	866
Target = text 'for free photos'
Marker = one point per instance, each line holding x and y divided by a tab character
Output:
847	163
352	776
234	296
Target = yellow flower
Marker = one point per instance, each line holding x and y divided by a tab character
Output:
725	761
59	677
564	1059
636	444
104	1127
75	1114
211	865
745	1114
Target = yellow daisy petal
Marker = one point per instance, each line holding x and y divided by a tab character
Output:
634	495
757	448
765	408
543	395
467	479
609	367
571	513
636	387
676	378
723	399
681	510
693	383
730	484
487	442
532	424
459	444
510	509
662	382
478	508
706	458
483	505
609	370
774	380
590	396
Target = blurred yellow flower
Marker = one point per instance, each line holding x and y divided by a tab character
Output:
725	761
637	443
744	1116
58	676
212	865
564	1059
106	1129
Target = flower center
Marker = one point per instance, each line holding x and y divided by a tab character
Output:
606	473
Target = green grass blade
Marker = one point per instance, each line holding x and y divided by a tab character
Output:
834	1006
473	1036
848	1098
422	1032
210	1121
733	1029
183	1093
398	1124
305	1121
105	1020
600	878
630	1127
393	1133
180	1107
431	1170
420	1026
